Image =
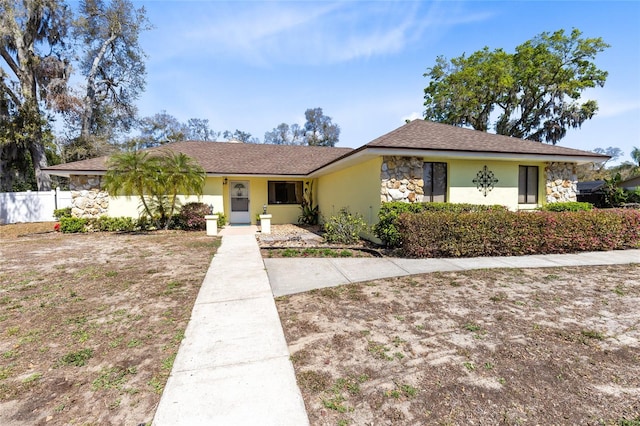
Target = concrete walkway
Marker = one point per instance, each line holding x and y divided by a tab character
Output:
233	365
296	275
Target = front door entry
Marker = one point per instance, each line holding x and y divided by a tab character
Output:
239	196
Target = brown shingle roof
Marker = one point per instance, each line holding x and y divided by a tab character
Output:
263	159
236	158
427	135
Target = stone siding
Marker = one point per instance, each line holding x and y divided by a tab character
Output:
88	199
401	179
562	183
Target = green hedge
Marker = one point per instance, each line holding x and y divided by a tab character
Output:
568	206
386	229
505	233
71	225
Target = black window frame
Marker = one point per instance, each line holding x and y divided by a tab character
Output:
290	189
528	184
430	188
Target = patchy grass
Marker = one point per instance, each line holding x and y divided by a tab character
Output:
91	323
511	346
314	252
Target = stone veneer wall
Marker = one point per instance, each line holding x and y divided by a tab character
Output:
401	179
562	184
88	200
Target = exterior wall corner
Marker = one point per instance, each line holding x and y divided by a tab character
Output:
88	199
561	182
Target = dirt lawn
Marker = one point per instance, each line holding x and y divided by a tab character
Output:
486	347
90	324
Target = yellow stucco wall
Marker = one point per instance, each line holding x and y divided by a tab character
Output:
356	187
130	206
505	192
258	197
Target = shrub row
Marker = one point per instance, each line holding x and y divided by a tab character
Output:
72	225
387	230
506	233
190	218
567	206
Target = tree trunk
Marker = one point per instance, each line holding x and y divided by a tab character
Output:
39	158
6	177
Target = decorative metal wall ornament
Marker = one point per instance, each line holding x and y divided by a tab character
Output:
485	180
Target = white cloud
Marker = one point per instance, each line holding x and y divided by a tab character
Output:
271	33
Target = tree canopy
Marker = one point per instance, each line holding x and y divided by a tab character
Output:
533	93
42	44
33	73
318	130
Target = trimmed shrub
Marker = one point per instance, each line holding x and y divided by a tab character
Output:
568	206
113	224
345	228
505	233
386	229
191	217
60	213
72	225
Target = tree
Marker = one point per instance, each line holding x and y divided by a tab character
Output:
285	135
112	64
635	154
319	130
32	35
535	92
157	179
240	136
613	152
198	130
160	129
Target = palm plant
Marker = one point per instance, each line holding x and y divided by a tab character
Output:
156	179
128	174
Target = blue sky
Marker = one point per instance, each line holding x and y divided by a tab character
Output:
251	65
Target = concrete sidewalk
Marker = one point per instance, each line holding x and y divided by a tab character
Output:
233	365
296	275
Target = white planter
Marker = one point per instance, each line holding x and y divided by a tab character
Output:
265	223
212	224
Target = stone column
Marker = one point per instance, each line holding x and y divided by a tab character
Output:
561	182
88	200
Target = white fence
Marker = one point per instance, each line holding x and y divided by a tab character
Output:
32	206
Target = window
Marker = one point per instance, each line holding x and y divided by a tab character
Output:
285	192
435	182
528	185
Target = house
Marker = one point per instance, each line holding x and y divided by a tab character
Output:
632	184
420	161
591	191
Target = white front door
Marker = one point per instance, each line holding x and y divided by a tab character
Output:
239	196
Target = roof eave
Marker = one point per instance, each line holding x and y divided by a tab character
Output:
487	155
258	175
69	173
